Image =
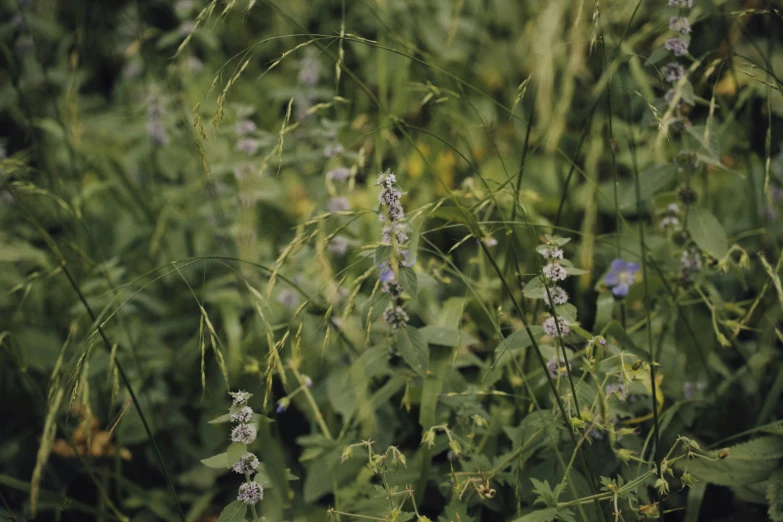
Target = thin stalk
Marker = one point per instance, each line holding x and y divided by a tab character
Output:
647	306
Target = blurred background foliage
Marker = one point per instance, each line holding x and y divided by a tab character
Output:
201	175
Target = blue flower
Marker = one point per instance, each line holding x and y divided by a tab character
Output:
620	278
387	274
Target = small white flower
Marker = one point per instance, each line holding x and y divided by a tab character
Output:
559	296
552	252
555	272
670	222
550	328
243	415
240	397
246	465
244	433
251	493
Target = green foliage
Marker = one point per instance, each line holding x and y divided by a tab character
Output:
560	300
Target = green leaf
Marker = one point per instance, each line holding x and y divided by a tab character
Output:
217	462
651	181
544	515
615	330
520	339
747	463
443	336
775	496
263	479
707	232
413	349
235	452
222	419
409	281
460	215
234	512
567	312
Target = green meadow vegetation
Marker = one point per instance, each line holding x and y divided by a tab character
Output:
391	260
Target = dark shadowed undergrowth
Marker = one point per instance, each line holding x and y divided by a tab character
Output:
391	260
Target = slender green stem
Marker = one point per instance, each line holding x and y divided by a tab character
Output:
647	307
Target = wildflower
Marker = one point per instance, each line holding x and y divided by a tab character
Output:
618	390
244	433
679	124
187	27
281	407
681	3
243	415
332	151
243	170
670	222
556	366
550	327
309	69
489	242
338	245
240	397
390	198
339	204
156	130
621	276
248	146
287	298
559	296
308	382
555	272
551	252
251	493
676	45
673	72
690	263
246	465
395	317
679	24
670	95
193	64
339	174
673	208
244	127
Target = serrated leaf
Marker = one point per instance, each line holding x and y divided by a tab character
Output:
747	463
567	311
544	515
222	419
651	181
775	496
263	479
235	452
460	215
443	336
707	232
217	462
234	512
519	339
413	349
409	281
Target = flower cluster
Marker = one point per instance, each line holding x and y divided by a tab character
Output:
392	217
156	129
244	432
674	71
670	221
554	271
